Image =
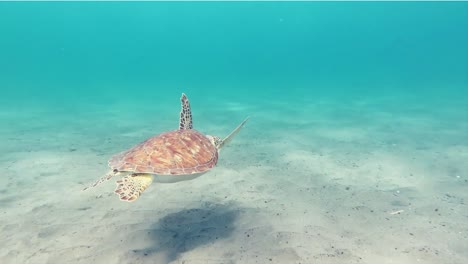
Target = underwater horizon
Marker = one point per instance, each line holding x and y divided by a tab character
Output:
355	151
95	49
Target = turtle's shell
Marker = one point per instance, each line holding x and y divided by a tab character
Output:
178	152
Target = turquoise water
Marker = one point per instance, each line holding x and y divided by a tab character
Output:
363	96
99	50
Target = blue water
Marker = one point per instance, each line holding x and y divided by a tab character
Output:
317	78
93	49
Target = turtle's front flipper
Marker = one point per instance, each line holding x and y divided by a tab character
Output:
104	178
185	113
131	186
233	133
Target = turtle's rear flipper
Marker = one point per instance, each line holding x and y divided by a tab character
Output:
104	178
130	187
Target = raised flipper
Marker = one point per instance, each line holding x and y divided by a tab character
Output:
185	113
104	178
130	187
233	133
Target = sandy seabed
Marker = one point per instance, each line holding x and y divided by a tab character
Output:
323	183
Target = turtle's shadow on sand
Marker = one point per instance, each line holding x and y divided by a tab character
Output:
189	229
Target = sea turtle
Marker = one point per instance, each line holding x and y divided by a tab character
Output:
178	155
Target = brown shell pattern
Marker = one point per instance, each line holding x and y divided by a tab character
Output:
178	152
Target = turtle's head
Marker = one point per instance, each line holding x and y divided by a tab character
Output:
215	141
